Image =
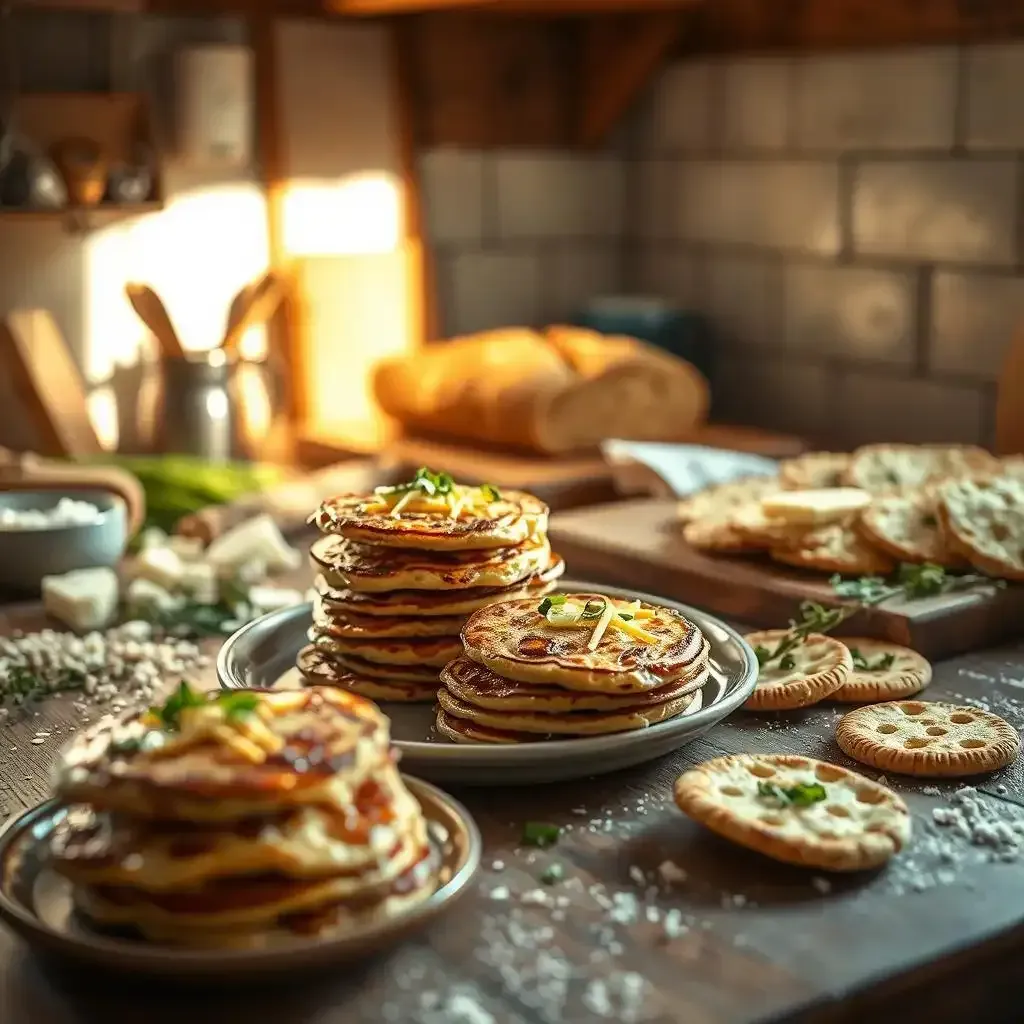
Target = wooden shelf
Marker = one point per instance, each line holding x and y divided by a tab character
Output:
101	210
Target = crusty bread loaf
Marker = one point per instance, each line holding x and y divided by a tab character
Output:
562	391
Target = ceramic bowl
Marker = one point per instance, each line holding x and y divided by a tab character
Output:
26	556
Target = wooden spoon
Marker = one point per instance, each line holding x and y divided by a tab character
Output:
152	312
253	305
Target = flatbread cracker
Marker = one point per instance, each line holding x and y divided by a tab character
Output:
882	672
837	547
927	739
907	527
809	673
814	470
882	467
797	810
718	536
717	501
762	531
984	520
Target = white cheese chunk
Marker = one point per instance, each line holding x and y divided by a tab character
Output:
257	539
84	599
827	505
199	581
188	549
159	564
144	597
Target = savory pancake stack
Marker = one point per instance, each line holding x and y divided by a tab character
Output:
569	665
237	819
399	571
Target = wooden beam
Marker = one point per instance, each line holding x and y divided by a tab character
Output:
550	8
618	60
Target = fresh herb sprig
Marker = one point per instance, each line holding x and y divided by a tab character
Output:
540	833
814	618
862	664
591	611
911	582
804	794
425	480
234	705
25	685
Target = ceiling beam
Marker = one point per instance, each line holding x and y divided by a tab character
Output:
618	60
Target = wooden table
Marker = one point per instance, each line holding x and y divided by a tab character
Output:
936	937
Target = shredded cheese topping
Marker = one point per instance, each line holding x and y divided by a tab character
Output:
623	617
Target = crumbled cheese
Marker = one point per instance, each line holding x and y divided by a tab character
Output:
671	873
256	539
67	512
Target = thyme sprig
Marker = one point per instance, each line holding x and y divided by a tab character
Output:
814	618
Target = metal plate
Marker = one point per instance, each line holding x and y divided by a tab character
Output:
36	903
262	654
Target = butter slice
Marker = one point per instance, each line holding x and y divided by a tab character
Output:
827	505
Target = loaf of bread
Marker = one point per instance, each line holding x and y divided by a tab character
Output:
563	390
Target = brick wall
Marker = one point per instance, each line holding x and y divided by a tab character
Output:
851	223
521	237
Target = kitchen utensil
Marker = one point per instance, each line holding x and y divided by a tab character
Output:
264	651
130	184
36	903
26	556
152	312
83	167
253	305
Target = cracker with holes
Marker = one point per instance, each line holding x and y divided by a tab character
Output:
882	671
837	547
796	809
928	739
803	675
984	520
813	470
717	501
907	527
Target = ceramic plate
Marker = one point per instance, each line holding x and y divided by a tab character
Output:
262	654
35	902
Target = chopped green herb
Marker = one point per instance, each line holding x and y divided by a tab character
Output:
540	833
803	794
549	602
884	662
183	697
593	609
786	662
814	618
553	873
490	492
425	480
237	705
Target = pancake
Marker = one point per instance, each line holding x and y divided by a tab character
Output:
317	669
350	625
477	686
95	848
513	639
510	520
227	755
570	723
434	652
311	659
250	900
461	730
369	569
436	602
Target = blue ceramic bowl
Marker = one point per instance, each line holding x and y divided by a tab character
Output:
26	556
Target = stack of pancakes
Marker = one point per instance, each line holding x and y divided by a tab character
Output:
399	571
240	820
572	665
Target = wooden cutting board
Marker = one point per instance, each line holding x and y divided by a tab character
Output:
638	544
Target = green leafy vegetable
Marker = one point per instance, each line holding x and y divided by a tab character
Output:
803	794
593	609
540	833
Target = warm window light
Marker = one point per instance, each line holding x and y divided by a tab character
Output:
351	216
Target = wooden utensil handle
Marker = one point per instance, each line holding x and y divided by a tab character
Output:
27	472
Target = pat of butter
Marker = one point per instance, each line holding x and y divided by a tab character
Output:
820	506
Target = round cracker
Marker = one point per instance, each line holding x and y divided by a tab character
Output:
984	519
927	739
813	470
820	665
568	723
882	467
716	501
907	527
837	547
882	671
718	536
858	825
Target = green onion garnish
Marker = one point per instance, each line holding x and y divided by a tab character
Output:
540	833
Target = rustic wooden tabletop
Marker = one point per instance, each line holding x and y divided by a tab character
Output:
655	920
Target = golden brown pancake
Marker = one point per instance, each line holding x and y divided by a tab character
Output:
94	848
317	669
569	723
461	730
508	521
513	639
436	602
311	658
218	762
350	625
250	900
373	569
476	685
417	651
